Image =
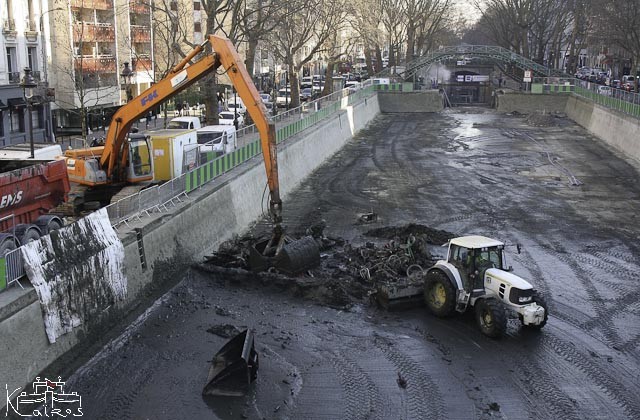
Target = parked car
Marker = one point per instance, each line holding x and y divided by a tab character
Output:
306	94
605	90
265	97
184	123
306	82
352	85
284	97
227	117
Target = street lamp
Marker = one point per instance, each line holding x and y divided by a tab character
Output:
126	75
28	84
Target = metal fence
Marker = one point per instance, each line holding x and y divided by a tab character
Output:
609	97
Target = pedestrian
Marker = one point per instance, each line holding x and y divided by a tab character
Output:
179	108
185	108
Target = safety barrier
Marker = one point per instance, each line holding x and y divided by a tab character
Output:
160	197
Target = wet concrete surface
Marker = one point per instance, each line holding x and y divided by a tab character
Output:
469	171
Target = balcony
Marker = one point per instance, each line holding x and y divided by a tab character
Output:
92	32
139	7
140	34
9	29
142	63
93	4
97	64
31	30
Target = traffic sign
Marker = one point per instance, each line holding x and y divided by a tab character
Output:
527	76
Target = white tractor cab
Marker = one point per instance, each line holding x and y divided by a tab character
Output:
220	139
475	275
184	123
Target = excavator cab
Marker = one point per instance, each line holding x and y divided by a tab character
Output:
140	167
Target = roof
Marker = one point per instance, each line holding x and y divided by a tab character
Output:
474	242
218	127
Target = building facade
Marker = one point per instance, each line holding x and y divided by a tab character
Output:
21	42
91	40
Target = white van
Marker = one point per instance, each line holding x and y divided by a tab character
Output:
220	139
236	105
185	123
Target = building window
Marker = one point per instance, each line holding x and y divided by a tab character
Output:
196	5
32	56
35	117
17	121
197	27
12	65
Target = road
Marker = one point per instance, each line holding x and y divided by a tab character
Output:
570	201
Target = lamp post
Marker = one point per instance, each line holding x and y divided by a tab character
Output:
28	84
126	75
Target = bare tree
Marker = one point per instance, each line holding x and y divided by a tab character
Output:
425	21
366	21
309	25
619	21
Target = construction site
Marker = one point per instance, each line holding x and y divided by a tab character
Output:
401	259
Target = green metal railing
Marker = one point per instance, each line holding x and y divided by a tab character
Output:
616	99
295	122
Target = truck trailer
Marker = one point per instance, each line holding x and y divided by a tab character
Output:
29	189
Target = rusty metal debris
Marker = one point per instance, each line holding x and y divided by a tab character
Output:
388	269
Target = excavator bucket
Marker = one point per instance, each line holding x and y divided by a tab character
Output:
293	257
233	368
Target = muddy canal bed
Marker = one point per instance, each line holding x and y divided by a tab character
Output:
570	201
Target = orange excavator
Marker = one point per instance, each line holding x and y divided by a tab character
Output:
126	158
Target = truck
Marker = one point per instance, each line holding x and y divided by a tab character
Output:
29	189
170	148
216	140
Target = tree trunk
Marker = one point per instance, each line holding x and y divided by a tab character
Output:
252	46
378	60
328	84
295	86
369	62
411	44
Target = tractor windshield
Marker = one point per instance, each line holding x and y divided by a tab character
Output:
491	257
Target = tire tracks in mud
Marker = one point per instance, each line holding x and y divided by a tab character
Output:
615	390
603	319
424	399
363	400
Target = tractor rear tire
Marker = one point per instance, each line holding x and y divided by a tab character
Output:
491	317
541	302
439	294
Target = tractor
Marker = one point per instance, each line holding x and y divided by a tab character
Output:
475	275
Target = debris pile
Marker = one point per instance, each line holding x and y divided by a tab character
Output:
348	273
544	119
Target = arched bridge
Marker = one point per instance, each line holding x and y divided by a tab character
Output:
496	54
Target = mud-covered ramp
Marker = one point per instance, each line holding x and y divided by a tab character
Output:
472	173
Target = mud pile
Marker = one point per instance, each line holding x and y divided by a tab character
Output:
544	119
348	273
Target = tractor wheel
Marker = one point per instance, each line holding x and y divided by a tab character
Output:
541	302
53	225
439	295
491	317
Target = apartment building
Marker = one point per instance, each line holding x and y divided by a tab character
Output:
91	40
21	41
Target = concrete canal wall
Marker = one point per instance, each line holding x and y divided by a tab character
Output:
158	248
617	129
